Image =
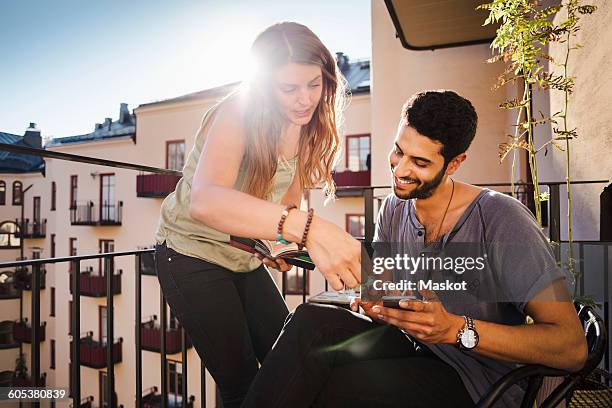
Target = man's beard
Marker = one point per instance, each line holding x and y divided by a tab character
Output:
424	189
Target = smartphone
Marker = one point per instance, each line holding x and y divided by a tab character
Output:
394	301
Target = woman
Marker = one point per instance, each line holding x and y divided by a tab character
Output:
255	153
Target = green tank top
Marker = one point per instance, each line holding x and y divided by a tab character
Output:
194	238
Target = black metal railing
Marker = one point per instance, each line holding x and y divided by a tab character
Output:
87	215
31	228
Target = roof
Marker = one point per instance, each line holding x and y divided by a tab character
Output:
124	127
11	162
431	24
357	74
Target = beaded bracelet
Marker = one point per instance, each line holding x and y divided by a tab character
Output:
279	231
302	244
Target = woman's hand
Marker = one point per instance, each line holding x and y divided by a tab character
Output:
278	264
336	254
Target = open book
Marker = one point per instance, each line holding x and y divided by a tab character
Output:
274	250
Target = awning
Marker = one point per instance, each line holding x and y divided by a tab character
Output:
431	24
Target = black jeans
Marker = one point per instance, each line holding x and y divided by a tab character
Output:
233	319
327	356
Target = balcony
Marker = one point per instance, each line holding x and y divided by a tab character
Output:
27	382
109	214
352	179
7	287
22	332
94	285
151	399
93	353
155	185
8	379
147	264
31	229
7	341
22	279
150	335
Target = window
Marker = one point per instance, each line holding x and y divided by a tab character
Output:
52	305
355	225
72	251
36	210
17	191
175	154
104	403
294	281
2	193
105	246
175	382
73	191
70	328
357	152
52	246
108	207
7	235
53	195
52	364
102	321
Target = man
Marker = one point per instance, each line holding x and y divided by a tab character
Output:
450	348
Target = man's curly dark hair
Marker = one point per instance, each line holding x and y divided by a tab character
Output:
445	117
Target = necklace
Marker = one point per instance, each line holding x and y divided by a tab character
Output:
445	211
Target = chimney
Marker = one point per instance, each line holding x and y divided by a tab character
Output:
342	60
107	123
32	136
124	113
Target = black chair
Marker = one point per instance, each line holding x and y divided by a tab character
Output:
595	332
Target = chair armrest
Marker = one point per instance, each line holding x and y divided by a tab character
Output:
513	377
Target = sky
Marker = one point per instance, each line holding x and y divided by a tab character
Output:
68	64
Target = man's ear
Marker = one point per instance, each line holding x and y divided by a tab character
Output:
455	163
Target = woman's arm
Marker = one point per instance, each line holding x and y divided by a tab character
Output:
217	204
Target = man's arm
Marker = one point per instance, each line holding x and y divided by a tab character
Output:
555	339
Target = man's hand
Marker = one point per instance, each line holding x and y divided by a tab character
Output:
427	320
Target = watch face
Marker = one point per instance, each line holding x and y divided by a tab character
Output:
469	339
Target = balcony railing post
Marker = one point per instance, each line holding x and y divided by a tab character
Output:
555	213
110	335
164	376
137	329
184	365
35	344
368	198
202	383
76	330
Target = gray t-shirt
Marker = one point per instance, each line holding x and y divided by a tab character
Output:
519	264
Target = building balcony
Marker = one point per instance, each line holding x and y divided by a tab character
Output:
147	264
8	379
22	279
31	229
27	382
85	402
152	399
150	336
352	179
7	288
7	341
22	331
94	285
155	185
93	353
109	214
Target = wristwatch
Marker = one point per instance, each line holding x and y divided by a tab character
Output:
467	338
